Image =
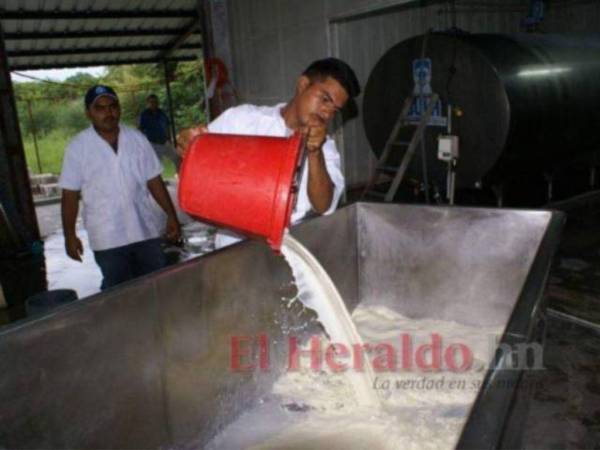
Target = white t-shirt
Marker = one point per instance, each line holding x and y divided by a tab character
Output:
117	206
267	121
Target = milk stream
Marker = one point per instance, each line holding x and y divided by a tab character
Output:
317	291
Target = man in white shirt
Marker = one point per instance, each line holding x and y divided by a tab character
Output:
321	91
113	169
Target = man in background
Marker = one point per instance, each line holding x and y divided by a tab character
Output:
154	123
115	173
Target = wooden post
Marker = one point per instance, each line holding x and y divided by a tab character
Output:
33	133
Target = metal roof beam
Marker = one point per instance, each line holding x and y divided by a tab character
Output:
96	63
93	14
176	43
20	36
93	50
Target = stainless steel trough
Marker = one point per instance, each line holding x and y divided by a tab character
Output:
147	364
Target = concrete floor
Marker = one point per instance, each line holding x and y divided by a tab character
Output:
565	406
54	270
62	272
85	276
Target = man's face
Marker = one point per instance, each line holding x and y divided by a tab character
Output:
319	100
152	103
105	113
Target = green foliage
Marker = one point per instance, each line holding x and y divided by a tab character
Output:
51	149
188	108
58	112
69	116
187	87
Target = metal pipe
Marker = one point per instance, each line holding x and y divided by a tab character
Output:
98	62
208	51
499	192
452	181
574	319
3	303
170	102
451	175
550	190
93	50
424	168
36	14
43	35
452	7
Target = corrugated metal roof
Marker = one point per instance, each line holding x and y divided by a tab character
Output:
70	33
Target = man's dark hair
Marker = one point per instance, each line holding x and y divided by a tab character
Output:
152	96
336	69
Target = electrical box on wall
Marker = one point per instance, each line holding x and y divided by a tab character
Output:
447	148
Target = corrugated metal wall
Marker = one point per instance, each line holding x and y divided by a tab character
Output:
274	40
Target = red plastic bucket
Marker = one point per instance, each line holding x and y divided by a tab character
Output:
245	183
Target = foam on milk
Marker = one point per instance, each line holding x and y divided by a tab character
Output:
323	417
314	409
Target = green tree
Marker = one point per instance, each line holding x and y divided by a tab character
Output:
58	111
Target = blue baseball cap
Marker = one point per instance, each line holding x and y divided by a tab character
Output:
95	92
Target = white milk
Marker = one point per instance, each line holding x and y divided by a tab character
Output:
308	410
317	291
311	409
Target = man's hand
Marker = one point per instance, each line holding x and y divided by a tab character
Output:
159	192
320	186
314	138
185	136
173	229
69	207
73	247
